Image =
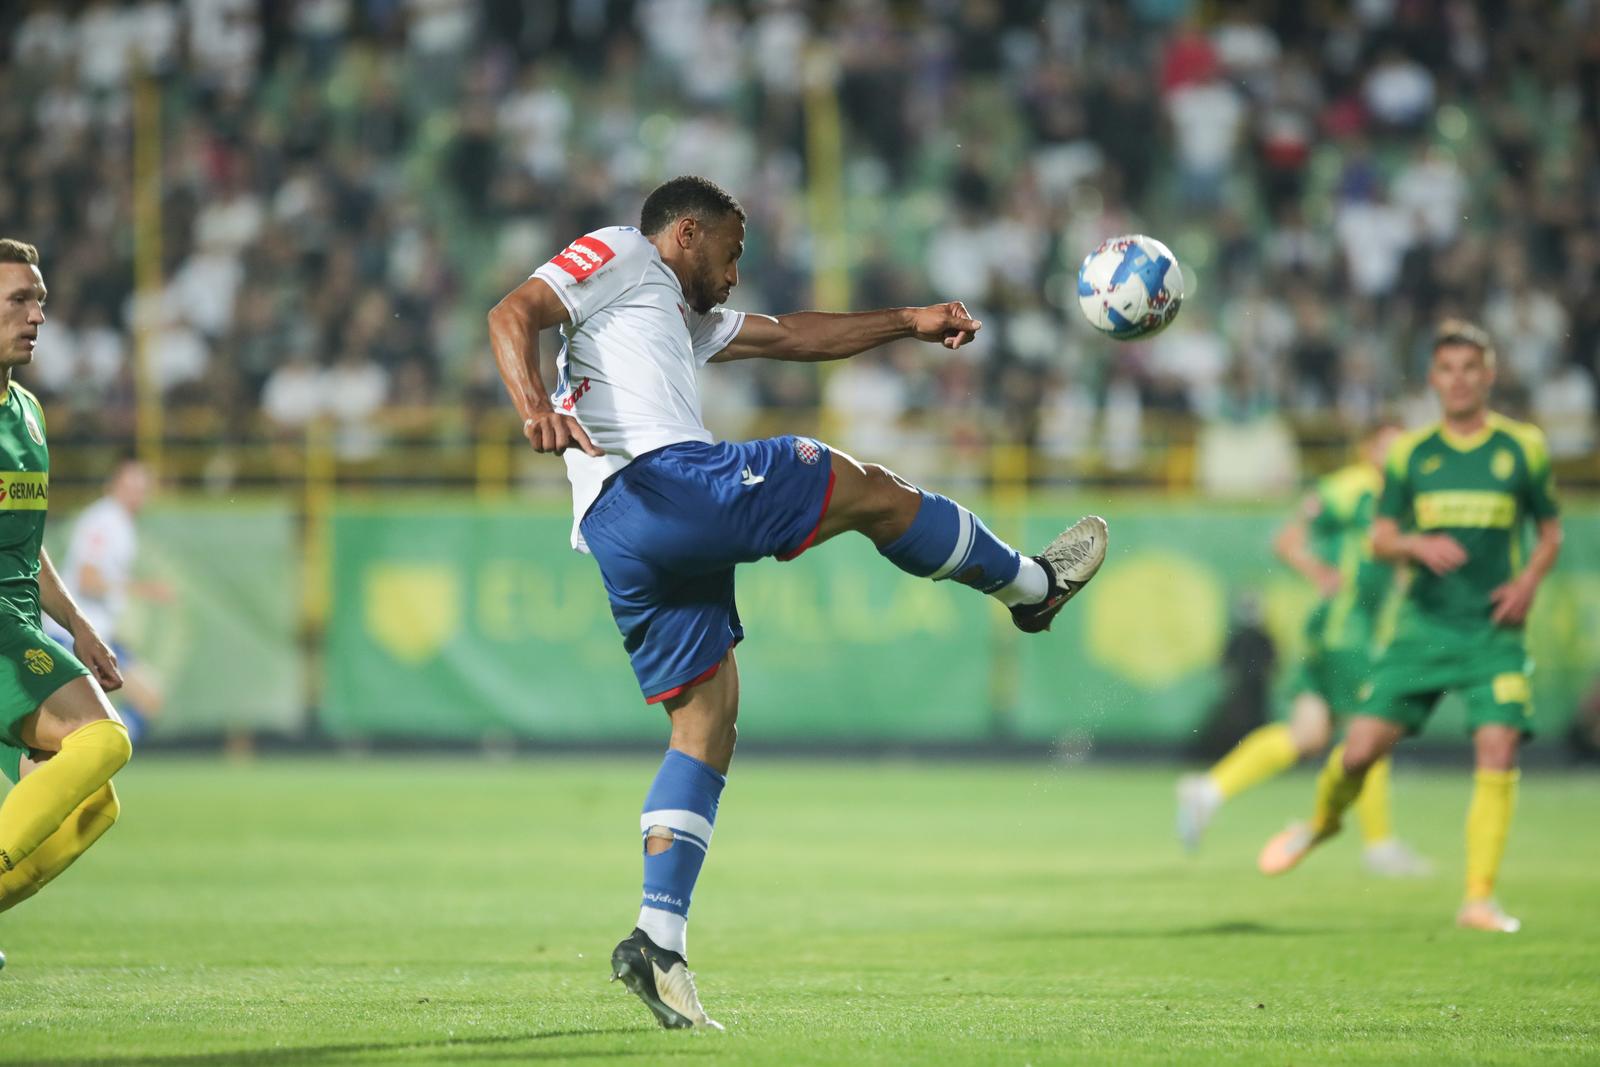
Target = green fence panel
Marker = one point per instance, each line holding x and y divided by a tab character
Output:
463	622
225	648
470	623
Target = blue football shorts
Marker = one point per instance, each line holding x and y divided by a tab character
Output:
668	530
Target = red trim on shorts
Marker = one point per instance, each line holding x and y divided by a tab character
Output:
812	536
703	676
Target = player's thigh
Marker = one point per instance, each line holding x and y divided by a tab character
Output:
35	670
76	704
1310	722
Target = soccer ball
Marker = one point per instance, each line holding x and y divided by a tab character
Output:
1130	287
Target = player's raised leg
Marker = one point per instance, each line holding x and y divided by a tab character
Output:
1494	796
1369	740
1261	754
680	812
931	536
89	745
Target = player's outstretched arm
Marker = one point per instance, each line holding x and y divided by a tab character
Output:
57	602
1514	599
514	326
815	336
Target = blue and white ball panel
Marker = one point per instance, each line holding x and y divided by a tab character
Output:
670	527
1130	287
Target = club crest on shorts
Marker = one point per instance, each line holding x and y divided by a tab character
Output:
33	425
38	661
807	450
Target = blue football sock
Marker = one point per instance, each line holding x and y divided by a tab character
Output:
681	807
948	541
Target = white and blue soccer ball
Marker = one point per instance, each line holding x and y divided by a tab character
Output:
1130	287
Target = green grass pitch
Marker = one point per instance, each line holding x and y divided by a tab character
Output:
425	911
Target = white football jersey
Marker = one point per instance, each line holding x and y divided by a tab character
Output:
628	358
103	537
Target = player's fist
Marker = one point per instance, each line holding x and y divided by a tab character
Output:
949	324
551	431
1440	553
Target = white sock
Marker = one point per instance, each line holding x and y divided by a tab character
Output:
1030	586
666	928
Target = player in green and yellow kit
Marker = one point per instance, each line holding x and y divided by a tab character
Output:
1329	542
1457	496
60	740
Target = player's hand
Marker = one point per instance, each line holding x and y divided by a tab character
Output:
1440	553
949	324
93	653
1329	581
551	431
1512	601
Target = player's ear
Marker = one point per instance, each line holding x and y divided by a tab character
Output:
686	228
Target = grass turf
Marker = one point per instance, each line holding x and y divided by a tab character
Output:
364	911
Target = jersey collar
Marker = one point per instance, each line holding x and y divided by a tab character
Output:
1468	442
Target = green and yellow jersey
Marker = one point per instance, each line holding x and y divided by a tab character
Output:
1340	533
24	500
1482	491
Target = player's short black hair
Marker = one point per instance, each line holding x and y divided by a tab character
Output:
689	194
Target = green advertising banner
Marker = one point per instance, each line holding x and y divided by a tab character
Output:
466	622
222	643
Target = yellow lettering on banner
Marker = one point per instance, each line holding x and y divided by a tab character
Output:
412	610
1511	689
24	491
1466	509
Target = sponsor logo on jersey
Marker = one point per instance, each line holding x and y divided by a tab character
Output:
33	425
752	479
583	257
24	491
38	661
807	450
1503	465
1466	509
570	401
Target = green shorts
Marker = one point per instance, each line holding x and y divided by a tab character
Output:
32	667
1335	675
1494	689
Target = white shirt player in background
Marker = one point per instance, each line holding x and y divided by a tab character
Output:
639	311
101	553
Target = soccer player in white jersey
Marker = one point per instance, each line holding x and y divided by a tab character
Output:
668	513
99	571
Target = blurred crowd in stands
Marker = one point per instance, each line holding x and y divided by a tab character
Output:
348	185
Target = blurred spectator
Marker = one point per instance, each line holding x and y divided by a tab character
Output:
361	178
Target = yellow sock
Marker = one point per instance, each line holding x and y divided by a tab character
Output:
41	802
83	828
1336	791
1372	806
1264	752
1494	796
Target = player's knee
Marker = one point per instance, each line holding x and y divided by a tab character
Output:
888	499
1358	757
1310	736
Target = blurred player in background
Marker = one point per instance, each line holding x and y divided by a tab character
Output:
1456	498
1329	542
668	514
59	738
99	572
